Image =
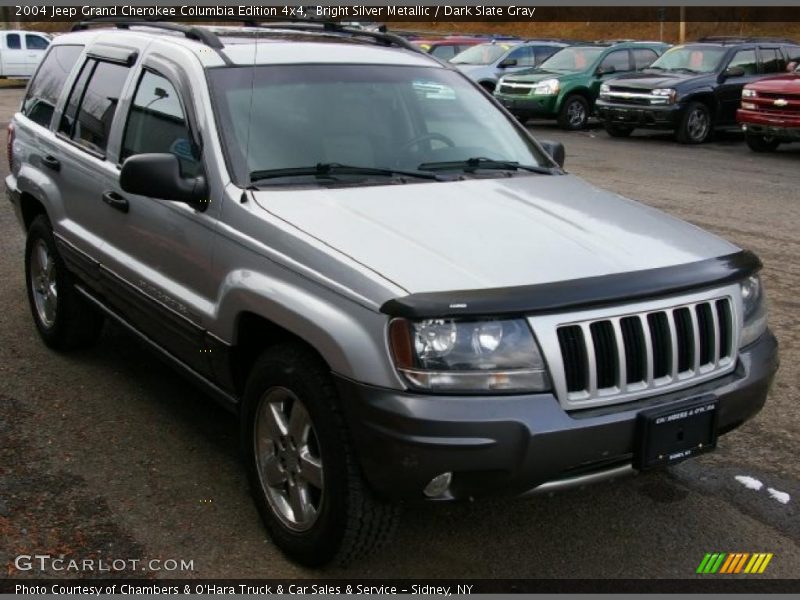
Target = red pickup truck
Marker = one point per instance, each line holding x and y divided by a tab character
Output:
770	111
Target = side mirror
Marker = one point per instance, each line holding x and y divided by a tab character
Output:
159	176
606	70
555	150
791	66
734	72
509	62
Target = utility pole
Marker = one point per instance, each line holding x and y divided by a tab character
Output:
682	31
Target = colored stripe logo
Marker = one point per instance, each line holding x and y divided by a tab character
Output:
734	562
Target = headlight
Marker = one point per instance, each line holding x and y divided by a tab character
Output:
546	87
604	90
748	93
468	356
755	310
664	95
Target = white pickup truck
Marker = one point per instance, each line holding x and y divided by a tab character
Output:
21	51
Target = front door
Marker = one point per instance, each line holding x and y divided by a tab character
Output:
729	91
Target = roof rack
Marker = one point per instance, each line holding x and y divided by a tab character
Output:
193	33
209	38
733	39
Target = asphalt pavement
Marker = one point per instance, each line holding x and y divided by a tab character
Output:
109	454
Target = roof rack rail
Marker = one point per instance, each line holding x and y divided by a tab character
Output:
737	39
193	33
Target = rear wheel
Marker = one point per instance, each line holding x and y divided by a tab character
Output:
312	498
696	125
64	319
761	143
574	113
618	131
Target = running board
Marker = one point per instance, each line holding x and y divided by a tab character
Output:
222	397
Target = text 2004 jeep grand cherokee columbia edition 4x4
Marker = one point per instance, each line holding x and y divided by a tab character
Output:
361	253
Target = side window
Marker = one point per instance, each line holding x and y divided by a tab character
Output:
13	41
617	59
745	59
444	52
44	90
36	42
772	60
93	101
156	123
542	53
643	58
523	56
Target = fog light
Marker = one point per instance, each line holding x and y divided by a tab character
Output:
438	485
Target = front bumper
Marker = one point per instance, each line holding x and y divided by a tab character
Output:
783	127
654	117
529	106
512	444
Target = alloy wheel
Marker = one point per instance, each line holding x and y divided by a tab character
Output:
43	284
288	459
576	114
698	124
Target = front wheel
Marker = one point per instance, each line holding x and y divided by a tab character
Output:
696	125
761	143
574	113
308	489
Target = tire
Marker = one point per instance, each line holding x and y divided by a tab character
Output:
574	113
341	519
761	143
696	125
618	131
65	320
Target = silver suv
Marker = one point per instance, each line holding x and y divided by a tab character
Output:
360	253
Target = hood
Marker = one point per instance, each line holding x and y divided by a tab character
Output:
539	75
487	233
788	83
650	80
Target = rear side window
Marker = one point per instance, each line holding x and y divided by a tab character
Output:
156	123
523	56
92	103
643	58
772	60
13	41
46	86
444	52
36	42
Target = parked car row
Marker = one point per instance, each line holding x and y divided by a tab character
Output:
691	89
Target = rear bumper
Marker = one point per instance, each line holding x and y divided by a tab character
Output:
530	106
786	128
655	117
512	444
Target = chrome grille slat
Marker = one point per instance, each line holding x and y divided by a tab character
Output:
613	356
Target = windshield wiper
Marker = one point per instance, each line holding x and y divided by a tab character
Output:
471	165
330	170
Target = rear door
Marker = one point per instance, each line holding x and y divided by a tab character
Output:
15	61
35	47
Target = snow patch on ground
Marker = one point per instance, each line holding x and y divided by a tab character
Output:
751	483
781	497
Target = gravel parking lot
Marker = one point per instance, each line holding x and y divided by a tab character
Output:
107	453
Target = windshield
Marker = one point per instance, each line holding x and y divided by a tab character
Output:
377	117
692	59
573	59
482	54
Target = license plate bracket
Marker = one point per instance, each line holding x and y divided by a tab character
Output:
666	436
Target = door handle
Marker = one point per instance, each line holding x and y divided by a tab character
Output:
51	162
114	200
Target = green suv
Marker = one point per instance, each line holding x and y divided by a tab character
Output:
566	85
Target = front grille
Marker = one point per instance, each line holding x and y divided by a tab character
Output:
613	356
765	101
515	90
634	96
